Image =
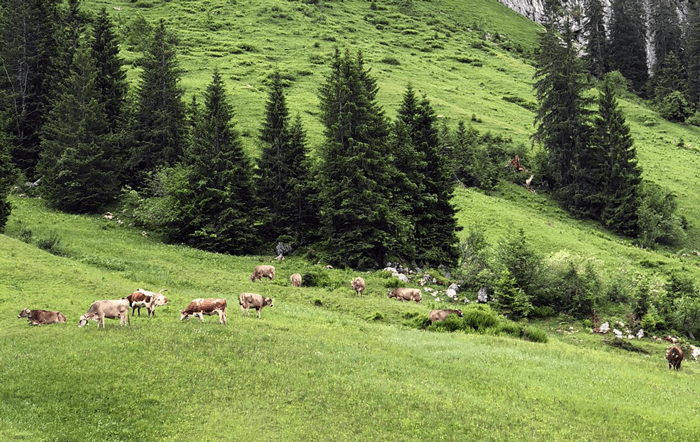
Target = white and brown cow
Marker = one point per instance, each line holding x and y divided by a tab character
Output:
358	284
252	300
200	307
149	300
112	309
263	271
295	280
40	317
406	294
441	315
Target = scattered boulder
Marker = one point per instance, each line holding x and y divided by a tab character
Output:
640	333
618	333
482	296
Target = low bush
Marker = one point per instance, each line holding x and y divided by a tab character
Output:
535	335
479	317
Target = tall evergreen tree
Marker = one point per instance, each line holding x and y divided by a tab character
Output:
356	173
8	174
160	124
597	40
111	79
623	175
432	212
692	55
215	210
562	118
665	30
28	31
628	42
75	162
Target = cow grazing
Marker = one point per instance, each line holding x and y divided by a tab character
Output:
406	294
358	284
40	317
674	355
251	300
200	307
144	298
441	315
112	309
296	280
263	271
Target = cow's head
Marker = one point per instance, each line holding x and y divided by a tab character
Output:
83	321
268	301
390	294
252	277
160	299
459	313
24	313
184	315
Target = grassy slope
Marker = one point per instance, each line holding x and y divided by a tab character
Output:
302	372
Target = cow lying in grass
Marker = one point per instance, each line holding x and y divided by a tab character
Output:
441	315
40	317
406	294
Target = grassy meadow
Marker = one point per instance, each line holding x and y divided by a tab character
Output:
322	364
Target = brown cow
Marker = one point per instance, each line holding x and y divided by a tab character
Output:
112	309
200	307
358	284
252	300
144	298
441	315
40	317
296	280
263	271
674	355
406	294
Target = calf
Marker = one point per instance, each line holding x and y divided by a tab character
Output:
99	310
200	307
251	300
441	315
263	271
144	298
296	280
406	294
674	355
40	317
358	284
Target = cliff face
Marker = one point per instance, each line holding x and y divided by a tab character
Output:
534	10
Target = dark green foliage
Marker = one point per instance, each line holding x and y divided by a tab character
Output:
597	42
431	210
563	118
659	221
686	316
159	127
524	265
111	78
692	55
28	41
545	311
451	323
76	164
669	77
627	40
8	175
675	107
216	209
665	30
620	174
479	317
535	335
474	269
577	291
680	285
511	301
356	177
283	180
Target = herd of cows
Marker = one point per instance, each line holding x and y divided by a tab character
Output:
113	309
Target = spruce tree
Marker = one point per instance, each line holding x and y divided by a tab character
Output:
562	118
432	212
160	123
692	55
8	175
665	30
283	175
597	41
628	42
356	172
111	79
28	43
623	175
75	164
216	208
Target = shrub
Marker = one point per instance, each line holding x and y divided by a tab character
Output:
535	335
511	328
26	235
545	311
377	316
50	243
659	221
675	107
390	60
316	278
479	317
450	324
